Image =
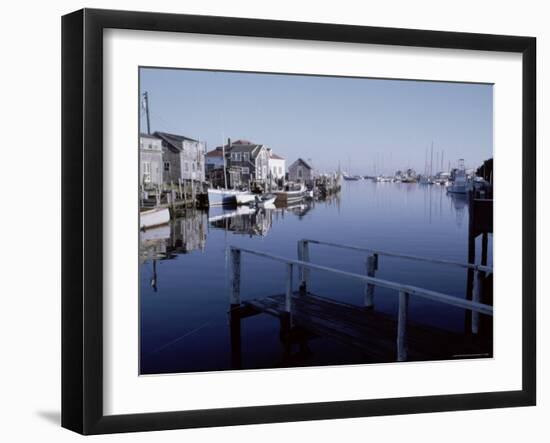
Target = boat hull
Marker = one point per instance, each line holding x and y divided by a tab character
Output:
223	197
154	217
244	199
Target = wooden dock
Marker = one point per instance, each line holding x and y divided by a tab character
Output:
379	336
369	331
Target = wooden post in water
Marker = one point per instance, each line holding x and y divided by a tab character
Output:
288	293
372	262
402	326
235	283
234	309
303	255
476	296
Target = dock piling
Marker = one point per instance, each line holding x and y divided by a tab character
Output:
235	285
402	326
288	293
372	261
476	297
303	255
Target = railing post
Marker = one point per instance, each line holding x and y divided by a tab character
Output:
402	326
303	255
235	283
476	297
372	262
288	292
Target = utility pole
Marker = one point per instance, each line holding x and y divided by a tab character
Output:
146	104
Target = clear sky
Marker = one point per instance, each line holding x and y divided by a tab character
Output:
357	122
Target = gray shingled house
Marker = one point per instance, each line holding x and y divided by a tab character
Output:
150	161
248	162
183	158
300	171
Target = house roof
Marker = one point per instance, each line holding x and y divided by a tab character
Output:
173	140
215	153
301	160
142	135
253	149
276	157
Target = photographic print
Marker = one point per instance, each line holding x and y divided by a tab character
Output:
303	220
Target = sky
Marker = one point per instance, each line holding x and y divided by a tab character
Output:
364	125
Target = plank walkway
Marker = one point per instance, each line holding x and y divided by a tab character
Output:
372	332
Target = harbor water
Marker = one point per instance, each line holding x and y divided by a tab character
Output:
184	272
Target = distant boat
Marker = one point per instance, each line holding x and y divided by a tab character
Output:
461	184
224	197
153	217
352	177
290	196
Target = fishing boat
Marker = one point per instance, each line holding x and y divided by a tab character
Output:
245	198
460	184
224	197
153	217
291	195
266	201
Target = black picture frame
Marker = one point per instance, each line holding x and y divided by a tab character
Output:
82	215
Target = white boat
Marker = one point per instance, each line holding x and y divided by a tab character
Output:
266	201
460	184
153	217
245	199
290	196
221	197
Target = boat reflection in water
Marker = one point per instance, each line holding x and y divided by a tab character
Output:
243	220
180	236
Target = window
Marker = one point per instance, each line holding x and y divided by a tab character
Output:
280	170
246	156
193	164
167	166
236	156
300	173
246	171
150	145
185	166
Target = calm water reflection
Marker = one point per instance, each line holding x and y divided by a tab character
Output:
183	271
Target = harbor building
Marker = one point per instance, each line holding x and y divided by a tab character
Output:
300	171
248	163
150	161
277	165
183	158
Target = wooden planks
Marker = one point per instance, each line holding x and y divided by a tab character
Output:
374	333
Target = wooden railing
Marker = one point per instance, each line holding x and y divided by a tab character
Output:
372	266
404	291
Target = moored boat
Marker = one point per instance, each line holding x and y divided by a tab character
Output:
290	196
265	201
153	217
224	197
245	198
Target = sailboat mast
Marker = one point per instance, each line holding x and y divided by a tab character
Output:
431	159
223	159
146	103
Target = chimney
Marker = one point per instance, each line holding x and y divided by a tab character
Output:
229	143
